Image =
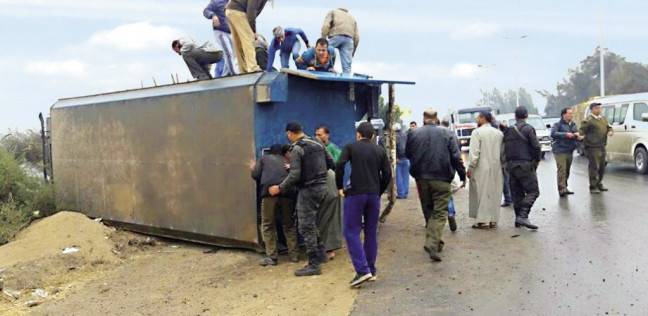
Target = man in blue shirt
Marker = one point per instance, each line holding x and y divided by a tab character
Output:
215	11
287	43
319	58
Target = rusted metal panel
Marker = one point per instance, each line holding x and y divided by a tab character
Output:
168	161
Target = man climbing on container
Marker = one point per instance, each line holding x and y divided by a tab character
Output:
198	58
242	15
341	29
287	43
370	176
319	58
268	171
309	164
215	11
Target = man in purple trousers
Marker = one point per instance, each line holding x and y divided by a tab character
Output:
370	175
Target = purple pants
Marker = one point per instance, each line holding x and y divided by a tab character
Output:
359	209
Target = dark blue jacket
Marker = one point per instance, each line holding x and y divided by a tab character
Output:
217	8
562	144
401	142
309	59
286	46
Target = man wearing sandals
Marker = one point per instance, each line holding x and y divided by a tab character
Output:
485	172
434	157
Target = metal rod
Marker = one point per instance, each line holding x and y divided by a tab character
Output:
391	146
43	141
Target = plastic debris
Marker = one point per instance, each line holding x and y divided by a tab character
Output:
40	293
70	250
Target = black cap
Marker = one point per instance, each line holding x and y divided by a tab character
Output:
486	115
521	112
595	104
366	130
294	127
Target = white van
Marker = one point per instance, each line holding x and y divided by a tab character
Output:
542	132
628	115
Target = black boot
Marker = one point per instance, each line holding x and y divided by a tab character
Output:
523	220
312	268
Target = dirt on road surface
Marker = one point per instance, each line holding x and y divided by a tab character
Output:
119	273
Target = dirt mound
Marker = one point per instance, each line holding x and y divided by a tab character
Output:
51	236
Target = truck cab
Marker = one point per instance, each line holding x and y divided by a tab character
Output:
464	121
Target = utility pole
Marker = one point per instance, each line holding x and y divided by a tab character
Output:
602	71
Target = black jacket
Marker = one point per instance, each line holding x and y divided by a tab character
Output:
524	147
401	142
309	163
562	144
434	154
370	169
268	171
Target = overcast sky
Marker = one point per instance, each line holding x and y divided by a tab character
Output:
66	48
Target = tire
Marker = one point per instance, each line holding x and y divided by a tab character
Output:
641	160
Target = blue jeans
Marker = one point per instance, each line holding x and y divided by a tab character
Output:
507	188
402	177
345	45
285	57
451	208
358	210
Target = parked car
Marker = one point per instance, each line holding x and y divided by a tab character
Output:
628	115
543	133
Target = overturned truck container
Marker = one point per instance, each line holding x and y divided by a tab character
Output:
174	160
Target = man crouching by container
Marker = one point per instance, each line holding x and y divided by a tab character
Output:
370	175
309	162
268	171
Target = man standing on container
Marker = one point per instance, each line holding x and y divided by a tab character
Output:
402	164
341	29
198	58
287	43
523	152
596	130
370	176
215	11
309	163
565	139
434	157
242	15
268	171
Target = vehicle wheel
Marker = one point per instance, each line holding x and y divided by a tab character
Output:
641	160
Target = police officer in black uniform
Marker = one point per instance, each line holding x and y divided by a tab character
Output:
523	154
309	163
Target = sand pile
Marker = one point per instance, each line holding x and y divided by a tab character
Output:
47	252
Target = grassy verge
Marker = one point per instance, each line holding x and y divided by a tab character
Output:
22	197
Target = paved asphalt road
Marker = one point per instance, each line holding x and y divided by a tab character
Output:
589	257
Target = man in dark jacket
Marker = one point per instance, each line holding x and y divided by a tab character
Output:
434	157
523	154
268	171
565	139
215	11
370	175
309	164
402	164
242	15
